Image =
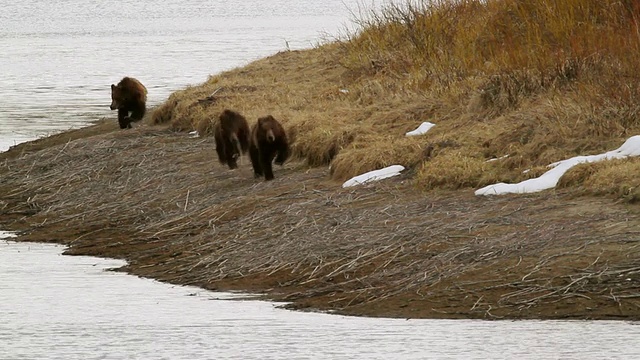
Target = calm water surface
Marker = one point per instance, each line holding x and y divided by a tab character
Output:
59	58
66	307
57	61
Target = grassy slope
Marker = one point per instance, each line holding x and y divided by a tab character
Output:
539	81
160	200
501	84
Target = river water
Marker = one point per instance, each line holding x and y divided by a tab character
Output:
59	58
57	61
68	307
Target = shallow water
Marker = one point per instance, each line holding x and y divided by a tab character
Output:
68	307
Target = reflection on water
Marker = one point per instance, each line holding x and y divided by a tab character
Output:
63	307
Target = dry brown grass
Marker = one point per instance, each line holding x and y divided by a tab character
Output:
159	199
539	81
618	178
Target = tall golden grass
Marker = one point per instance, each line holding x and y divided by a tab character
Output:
538	80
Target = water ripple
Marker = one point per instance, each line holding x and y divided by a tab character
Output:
67	307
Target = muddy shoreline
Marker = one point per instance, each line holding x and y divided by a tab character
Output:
159	200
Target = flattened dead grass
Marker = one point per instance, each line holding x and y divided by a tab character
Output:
159	199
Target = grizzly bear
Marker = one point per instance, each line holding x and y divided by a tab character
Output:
231	134
128	96
268	141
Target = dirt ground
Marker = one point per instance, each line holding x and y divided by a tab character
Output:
160	200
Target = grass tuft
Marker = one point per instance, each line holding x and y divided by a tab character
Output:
617	178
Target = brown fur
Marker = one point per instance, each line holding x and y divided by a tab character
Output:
231	134
128	96
268	141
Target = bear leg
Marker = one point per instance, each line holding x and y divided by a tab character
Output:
222	156
123	119
254	154
231	161
137	113
128	120
231	153
283	154
265	162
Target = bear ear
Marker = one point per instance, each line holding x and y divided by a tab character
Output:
113	87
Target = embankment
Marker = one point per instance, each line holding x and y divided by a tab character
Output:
160	200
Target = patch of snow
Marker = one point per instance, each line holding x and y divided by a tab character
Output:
194	134
422	129
344	91
550	179
374	175
500	158
6	234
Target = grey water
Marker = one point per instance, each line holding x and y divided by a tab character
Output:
54	306
57	60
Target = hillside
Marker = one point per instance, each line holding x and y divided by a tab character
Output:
539	81
529	83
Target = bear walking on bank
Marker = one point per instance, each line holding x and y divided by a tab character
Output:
231	134
268	141
128	96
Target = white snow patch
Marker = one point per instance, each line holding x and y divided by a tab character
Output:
6	234
549	180
344	91
422	129
194	134
374	175
500	158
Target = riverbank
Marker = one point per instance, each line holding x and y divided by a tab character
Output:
508	94
159	199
